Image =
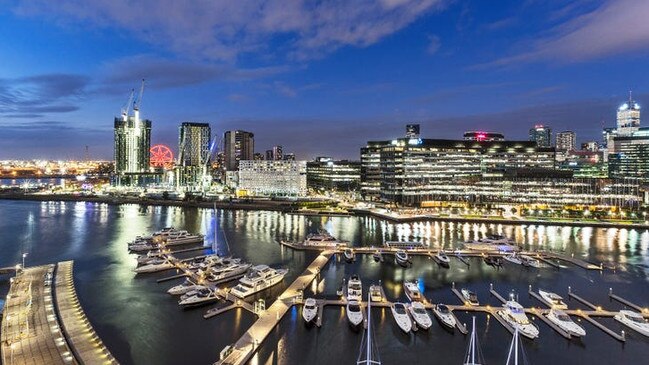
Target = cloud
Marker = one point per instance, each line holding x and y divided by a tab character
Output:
223	30
48	93
502	23
615	27
433	44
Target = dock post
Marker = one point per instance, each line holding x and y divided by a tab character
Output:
610	291
453	285
530	287
569	289
623	335
491	286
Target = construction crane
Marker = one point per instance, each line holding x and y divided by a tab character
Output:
137	103
127	107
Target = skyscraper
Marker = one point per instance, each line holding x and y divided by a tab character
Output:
193	153
132	144
628	117
239	145
566	141
542	135
277	153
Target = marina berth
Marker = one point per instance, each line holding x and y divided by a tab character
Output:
349	255
563	321
513	258
514	314
184	288
633	320
442	259
259	278
411	288
492	243
197	298
354	288
401	257
400	314
354	313
376	294
444	315
420	315
226	274
155	266
324	239
183	238
530	261
309	310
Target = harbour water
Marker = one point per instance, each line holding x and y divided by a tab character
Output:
141	324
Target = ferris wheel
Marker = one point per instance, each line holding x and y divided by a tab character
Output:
161	156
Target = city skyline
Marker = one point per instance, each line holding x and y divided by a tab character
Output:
449	66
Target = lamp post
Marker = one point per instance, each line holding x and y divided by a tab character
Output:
24	255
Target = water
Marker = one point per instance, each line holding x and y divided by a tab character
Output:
54	181
141	324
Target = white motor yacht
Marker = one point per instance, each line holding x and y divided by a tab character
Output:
553	300
185	287
419	314
142	247
228	273
470	296
442	259
323	239
148	257
183	238
633	320
155	266
401	258
401	316
259	278
354	289
514	314
513	258
354	313
444	315
198	297
309	310
563	321
375	293
530	261
412	291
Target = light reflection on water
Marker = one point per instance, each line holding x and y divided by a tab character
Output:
142	324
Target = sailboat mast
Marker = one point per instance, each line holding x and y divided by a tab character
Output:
369	329
473	342
516	346
216	244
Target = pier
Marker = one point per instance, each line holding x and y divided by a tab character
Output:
627	302
43	322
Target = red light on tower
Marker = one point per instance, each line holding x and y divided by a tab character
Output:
481	136
161	156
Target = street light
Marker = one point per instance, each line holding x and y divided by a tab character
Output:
24	255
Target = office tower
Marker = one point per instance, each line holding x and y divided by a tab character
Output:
483	136
193	154
566	141
269	155
542	135
329	174
238	146
590	146
277	153
628	117
412	131
371	169
272	178
132	138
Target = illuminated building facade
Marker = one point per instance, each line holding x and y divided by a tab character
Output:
483	136
327	174
272	178
371	169
238	146
193	155
566	141
412	131
628	145
542	135
131	149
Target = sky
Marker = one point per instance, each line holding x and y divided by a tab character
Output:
320	77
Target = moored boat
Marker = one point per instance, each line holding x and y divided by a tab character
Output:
259	278
309	310
354	314
443	313
419	314
401	257
563	321
401	316
553	300
470	296
354	288
633	320
514	314
412	291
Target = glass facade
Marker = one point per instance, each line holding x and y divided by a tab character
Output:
326	174
131	149
273	178
194	154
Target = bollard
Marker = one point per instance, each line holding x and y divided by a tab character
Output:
453	285
623	335
610	291
491	286
569	290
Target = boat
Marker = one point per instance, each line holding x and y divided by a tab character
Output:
341	289
354	289
259	278
354	314
494	261
412	290
323	239
530	261
377	256
376	295
309	310
185	287
553	300
514	314
473	353
563	321
444	315
183	238
401	258
419	314
492	243
400	315
231	272
142	247
349	255
513	258
633	320
442	259
470	296
155	266
198	297
149	257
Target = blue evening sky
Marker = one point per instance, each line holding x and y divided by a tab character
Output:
318	77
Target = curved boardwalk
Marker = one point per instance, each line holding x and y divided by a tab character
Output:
86	345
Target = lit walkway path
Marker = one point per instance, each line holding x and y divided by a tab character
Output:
246	346
30	331
86	345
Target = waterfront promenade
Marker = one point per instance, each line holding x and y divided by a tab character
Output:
43	322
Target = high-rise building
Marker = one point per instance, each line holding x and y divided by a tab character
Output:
566	141
278	153
258	156
326	173
131	150
542	135
193	154
289	156
371	169
628	117
272	178
238	146
483	136
590	146
412	131
269	155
